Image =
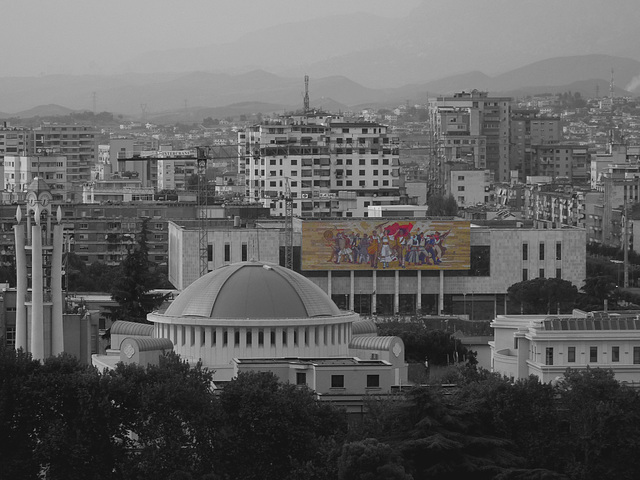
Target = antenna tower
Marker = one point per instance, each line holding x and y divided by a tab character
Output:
306	94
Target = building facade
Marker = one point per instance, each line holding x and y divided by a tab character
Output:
332	168
473	125
547	346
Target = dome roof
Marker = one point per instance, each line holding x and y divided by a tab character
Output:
38	185
253	290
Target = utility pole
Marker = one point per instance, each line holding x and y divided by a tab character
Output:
625	237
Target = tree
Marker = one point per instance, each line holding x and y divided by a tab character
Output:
440	206
170	411
370	460
541	295
131	288
276	422
602	425
436	346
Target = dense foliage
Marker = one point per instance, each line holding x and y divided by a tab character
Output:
137	276
66	420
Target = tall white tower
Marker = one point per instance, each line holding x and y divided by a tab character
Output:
39	320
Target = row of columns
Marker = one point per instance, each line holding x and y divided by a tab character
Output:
396	294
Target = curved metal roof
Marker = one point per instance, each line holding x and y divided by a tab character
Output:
372	343
121	327
364	327
150	344
253	290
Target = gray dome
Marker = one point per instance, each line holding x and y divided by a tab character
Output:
253	290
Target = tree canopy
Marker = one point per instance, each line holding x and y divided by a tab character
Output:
543	295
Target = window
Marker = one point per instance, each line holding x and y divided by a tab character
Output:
548	357
301	378
10	337
558	273
541	275
593	354
615	354
362	161
525	274
461	177
636	355
461	188
227	252
525	251
373	381
571	355
541	251
84	226
337	381
558	251
244	252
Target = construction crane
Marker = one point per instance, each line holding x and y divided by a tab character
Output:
201	155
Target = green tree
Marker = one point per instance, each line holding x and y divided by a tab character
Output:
137	278
282	425
543	295
602	428
370	460
170	411
18	420
436	346
440	206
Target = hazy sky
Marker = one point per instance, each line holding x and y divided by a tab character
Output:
93	36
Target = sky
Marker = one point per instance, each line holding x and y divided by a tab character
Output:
94	36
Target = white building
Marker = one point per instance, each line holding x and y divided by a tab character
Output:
545	346
469	187
20	171
333	168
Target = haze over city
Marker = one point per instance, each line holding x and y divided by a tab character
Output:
113	49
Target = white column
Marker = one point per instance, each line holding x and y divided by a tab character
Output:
396	293
374	294
441	294
37	309
21	289
329	283
57	329
352	289
419	299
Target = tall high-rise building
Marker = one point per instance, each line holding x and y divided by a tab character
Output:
529	128
14	140
77	143
471	127
333	168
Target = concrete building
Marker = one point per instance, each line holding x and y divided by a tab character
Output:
545	346
15	141
19	172
476	126
501	254
529	128
333	168
468	186
561	161
263	317
77	143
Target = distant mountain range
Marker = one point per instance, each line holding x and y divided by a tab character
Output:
171	97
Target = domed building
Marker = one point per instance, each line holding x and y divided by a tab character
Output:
253	309
262	316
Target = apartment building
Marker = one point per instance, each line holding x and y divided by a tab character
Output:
529	128
19	172
483	122
14	140
469	187
77	143
561	160
332	167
